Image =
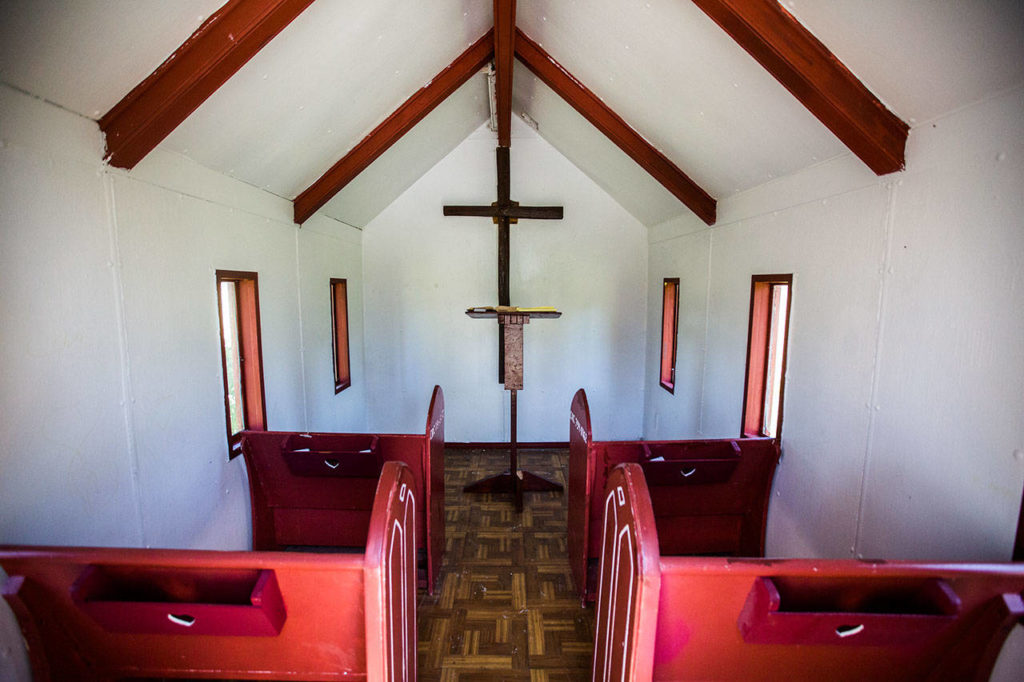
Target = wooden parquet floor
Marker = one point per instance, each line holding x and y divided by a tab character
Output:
505	609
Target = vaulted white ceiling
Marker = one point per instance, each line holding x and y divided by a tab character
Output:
343	66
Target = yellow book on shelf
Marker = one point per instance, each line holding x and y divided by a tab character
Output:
511	309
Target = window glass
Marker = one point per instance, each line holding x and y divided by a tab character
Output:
241	356
669	332
766	354
232	353
776	338
339	317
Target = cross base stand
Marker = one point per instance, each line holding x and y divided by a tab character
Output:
514	480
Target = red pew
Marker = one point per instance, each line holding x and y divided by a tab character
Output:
727	485
689	618
315	490
104	614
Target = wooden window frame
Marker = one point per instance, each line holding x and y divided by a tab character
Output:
254	409
667	372
758	348
339	333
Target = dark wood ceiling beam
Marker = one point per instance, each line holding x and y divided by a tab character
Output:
394	127
617	130
816	77
504	55
204	62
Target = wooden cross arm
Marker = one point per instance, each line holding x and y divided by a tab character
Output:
515	211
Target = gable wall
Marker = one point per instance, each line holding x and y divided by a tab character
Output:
902	435
424	270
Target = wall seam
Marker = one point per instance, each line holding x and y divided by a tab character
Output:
207	200
367	390
127	395
674	237
645	332
873	407
302	337
707	329
721	225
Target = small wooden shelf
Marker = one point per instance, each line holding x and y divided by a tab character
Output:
181	601
847	611
344	456
689	463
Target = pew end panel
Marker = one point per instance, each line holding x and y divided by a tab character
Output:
581	478
433	475
390	573
589	465
629	581
425	457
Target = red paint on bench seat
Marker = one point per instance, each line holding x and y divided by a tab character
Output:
317	489
325	631
714	618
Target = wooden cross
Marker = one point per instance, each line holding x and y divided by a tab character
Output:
504	212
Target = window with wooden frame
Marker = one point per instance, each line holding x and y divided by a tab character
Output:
339	328
669	332
768	338
242	359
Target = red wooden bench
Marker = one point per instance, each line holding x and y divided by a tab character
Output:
104	614
727	485
315	490
711	618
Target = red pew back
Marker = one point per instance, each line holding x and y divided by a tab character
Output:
316	489
727	486
742	619
105	613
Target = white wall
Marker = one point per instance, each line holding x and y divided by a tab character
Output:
112	393
111	407
423	270
61	399
947	449
686	256
326	249
902	430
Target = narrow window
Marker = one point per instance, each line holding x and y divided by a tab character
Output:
339	318
238	304
669	332
766	354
